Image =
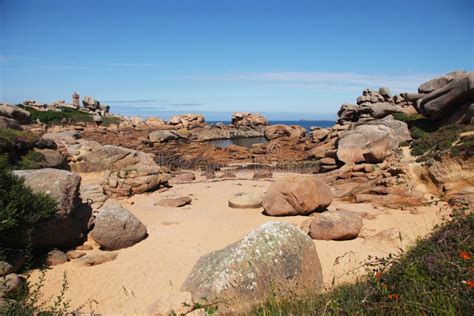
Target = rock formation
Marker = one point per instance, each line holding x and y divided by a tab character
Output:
70	225
449	98
187	121
135	179
14	113
296	195
248	119
275	259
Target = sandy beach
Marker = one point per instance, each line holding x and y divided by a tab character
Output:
153	270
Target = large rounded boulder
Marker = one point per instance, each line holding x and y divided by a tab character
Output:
371	143
296	195
336	225
69	226
116	227
275	259
448	97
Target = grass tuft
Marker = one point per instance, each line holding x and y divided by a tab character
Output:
434	277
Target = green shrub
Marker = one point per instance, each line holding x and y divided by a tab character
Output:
434	277
12	135
108	120
49	117
20	209
32	160
441	139
404	117
30	301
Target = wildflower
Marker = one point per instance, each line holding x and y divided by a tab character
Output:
464	255
393	296
378	275
469	283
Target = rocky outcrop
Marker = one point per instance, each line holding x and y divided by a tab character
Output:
187	121
155	123
51	159
248	119
90	156
372	105
289	132
90	103
6	122
335	225
296	195
15	113
449	98
161	136
116	228
275	259
135	179
93	194
372	142
70	225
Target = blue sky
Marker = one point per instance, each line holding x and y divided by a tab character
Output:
288	59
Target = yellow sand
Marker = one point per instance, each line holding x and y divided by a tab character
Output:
155	268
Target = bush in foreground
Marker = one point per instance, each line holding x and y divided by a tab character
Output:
20	209
434	277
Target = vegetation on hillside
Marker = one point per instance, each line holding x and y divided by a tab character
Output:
430	139
67	115
17	148
434	277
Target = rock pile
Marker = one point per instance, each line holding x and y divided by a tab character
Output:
95	106
371	105
248	119
187	121
12	116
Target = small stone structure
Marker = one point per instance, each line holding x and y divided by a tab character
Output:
76	100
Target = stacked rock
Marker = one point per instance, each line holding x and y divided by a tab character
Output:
248	119
187	121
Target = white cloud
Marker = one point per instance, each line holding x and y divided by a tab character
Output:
342	81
